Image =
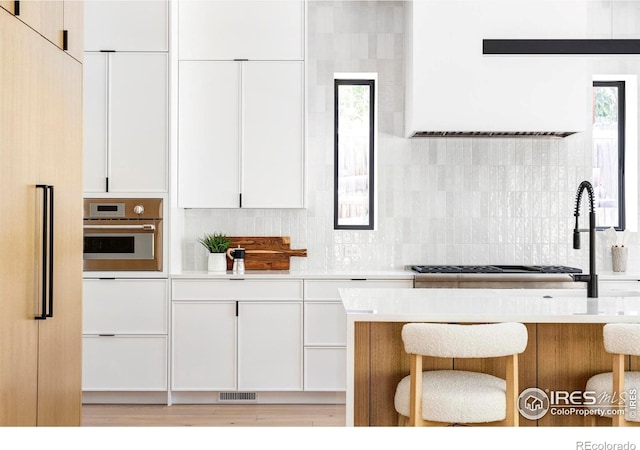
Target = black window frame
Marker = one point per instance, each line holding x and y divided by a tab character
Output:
372	85
621	151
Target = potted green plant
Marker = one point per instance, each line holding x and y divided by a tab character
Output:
217	245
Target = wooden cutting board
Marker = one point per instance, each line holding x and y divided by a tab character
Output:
265	252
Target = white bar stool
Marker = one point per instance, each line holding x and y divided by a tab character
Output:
620	339
441	397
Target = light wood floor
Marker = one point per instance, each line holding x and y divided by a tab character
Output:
213	415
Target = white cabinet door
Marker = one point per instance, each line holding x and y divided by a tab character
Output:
270	346
124	306
124	363
204	346
138	117
126	122
209	134
325	324
325	369
95	121
273	134
131	25
231	29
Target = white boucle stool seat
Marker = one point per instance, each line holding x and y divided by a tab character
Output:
602	385
456	396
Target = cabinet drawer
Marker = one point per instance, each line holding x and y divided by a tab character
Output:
328	289
619	288
325	369
231	289
124	306
325	323
123	363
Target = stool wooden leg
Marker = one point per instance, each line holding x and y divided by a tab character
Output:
618	387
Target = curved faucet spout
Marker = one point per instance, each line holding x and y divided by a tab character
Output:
592	278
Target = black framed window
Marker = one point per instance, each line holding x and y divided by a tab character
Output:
608	153
354	154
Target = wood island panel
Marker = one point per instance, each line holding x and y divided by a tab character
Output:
568	355
559	356
362	374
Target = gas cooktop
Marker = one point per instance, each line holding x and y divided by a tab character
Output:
495	269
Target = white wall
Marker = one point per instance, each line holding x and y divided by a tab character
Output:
441	201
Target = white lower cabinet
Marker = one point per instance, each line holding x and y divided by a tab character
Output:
261	335
241	335
270	346
125	335
325	368
204	346
124	363
325	330
627	287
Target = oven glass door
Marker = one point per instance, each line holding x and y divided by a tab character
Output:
122	245
107	245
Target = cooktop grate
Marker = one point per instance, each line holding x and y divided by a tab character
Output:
494	269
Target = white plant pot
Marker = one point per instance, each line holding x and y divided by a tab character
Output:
217	262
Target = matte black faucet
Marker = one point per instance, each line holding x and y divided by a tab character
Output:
592	278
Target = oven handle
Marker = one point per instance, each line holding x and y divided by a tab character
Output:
146	227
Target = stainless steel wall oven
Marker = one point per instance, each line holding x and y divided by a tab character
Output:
122	234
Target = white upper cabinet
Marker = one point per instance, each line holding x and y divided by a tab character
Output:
452	86
126	117
273	138
209	137
138	116
127	25
217	29
240	128
95	121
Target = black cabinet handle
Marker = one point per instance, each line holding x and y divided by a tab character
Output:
47	251
65	40
237	309
51	259
16	8
45	209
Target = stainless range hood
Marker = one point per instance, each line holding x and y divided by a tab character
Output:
454	90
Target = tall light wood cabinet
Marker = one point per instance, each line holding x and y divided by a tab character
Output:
61	22
40	144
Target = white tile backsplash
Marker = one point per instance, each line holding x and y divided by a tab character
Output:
440	201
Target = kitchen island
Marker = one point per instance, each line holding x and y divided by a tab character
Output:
565	345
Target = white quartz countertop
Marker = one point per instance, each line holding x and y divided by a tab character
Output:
487	305
301	274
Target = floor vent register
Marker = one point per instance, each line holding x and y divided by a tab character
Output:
244	397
